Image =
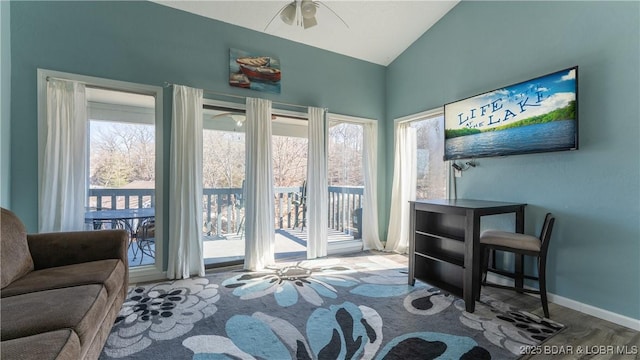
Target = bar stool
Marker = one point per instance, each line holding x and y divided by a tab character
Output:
519	244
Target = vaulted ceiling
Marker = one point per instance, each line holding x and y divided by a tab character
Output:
375	31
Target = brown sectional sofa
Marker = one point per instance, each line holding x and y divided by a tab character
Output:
61	292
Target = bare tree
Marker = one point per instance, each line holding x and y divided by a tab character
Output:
223	159
121	153
143	153
345	155
111	171
289	160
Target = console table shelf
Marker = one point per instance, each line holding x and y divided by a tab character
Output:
436	256
444	246
441	236
441	274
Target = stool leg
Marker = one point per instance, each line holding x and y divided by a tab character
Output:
484	264
519	272
487	256
493	258
542	280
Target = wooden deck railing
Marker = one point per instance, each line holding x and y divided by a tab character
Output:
223	208
102	199
343	202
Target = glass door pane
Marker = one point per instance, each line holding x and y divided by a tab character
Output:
346	181
223	182
121	163
290	151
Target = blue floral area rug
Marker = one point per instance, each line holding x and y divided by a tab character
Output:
354	307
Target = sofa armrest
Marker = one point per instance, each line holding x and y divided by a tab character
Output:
66	248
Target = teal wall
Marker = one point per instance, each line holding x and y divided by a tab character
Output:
5	103
147	43
594	192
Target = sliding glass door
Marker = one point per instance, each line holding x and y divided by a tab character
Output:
122	172
223	181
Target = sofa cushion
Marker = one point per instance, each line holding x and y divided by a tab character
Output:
55	345
80	308
15	256
107	272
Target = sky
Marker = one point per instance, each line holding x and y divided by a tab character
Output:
513	103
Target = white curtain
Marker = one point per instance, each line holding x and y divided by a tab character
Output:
317	185
259	202
403	189
185	191
370	235
62	181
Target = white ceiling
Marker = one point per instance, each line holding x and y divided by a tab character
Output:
378	31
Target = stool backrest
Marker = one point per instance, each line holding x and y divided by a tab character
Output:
545	233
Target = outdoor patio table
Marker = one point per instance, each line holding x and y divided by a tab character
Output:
126	217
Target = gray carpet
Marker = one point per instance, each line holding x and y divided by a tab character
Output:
355	307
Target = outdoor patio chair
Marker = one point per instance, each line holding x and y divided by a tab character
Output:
239	204
300	208
145	238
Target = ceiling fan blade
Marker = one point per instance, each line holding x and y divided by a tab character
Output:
275	16
309	22
308	9
303	13
288	14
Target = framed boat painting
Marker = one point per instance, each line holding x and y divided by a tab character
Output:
255	72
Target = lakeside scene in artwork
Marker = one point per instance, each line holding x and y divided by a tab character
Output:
550	136
537	115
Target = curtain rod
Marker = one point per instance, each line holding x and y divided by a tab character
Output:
168	84
49	77
212	92
94	86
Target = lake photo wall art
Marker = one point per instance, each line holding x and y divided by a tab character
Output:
538	115
255	72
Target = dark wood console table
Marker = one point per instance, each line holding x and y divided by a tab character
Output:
444	246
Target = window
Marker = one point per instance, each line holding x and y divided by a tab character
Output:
122	181
431	174
419	170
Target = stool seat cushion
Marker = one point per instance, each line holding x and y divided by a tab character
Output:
511	240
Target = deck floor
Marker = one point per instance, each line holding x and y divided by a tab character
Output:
227	248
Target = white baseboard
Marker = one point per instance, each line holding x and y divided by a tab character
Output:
603	314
